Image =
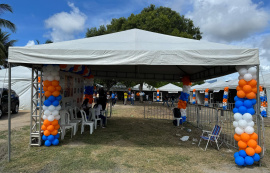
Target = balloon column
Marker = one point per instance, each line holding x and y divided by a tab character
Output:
89	89
206	97
51	105
225	98
263	102
244	132
194	96
129	94
182	103
157	95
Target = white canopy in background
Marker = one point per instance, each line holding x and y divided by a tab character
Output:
146	87
201	87
171	88
20	83
219	85
139	54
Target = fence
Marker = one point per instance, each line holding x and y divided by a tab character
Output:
156	110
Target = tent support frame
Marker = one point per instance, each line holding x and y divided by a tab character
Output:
9	111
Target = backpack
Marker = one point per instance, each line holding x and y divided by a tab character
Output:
176	113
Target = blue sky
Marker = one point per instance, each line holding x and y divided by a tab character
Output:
242	22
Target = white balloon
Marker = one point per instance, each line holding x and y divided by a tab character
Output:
51	108
55	73
44	78
240	77
58	108
45	117
50	67
57	117
242	71
46	73
235	124
248	77
251	123
237	116
45	107
50	78
239	67
242	124
55	112
47	112
252	70
247	117
57	78
50	117
225	92
57	68
249	130
239	130
254	77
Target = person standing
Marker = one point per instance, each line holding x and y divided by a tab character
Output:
172	100
165	100
125	97
113	98
132	98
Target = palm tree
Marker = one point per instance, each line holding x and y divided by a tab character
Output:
5	42
6	23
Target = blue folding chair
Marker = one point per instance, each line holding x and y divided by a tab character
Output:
211	136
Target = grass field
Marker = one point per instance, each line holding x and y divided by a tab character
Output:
130	143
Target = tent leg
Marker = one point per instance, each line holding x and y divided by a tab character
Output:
258	109
9	110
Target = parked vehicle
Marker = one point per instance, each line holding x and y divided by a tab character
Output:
4	101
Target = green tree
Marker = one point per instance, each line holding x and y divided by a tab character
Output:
6	23
5	42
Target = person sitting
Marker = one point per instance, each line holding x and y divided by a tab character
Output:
98	109
86	106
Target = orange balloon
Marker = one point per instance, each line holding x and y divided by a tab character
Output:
54	122
45	88
251	95
241	93
238	88
254	90
43	127
258	149
50	128
237	137
242	83
54	132
47	83
254	136
250	151
56	93
46	122
226	89
55	83
242	144
56	127
252	143
247	89
253	83
48	94
206	99
62	66
51	88
47	132
245	137
58	88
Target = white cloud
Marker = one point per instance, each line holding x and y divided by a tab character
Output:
64	25
30	43
228	20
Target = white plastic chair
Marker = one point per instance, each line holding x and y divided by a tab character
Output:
65	124
74	122
94	118
104	113
85	122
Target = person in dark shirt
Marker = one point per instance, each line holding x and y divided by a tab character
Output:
172	100
165	100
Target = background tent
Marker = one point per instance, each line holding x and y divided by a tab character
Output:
20	83
170	88
146	87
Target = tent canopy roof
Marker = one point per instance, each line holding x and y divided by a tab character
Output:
146	87
170	88
139	54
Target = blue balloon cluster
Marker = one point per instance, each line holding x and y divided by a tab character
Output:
242	159
51	140
184	96
206	96
224	107
157	95
244	105
263	98
52	101
89	90
194	102
264	114
225	96
194	95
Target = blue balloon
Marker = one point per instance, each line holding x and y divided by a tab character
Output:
239	161
59	97
55	142
47	103
251	111
249	160
238	104
225	96
236	98
194	95
48	143
253	101
235	110
242	110
242	153
224	107
57	136
248	103
55	103
256	157
44	138
206	96
236	154
51	98
50	137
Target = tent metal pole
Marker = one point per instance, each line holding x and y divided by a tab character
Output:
258	118
9	110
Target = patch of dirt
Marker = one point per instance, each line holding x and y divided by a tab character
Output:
17	120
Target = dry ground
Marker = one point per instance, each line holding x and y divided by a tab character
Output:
130	143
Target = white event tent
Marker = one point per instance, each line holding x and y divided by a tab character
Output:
146	87
170	88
